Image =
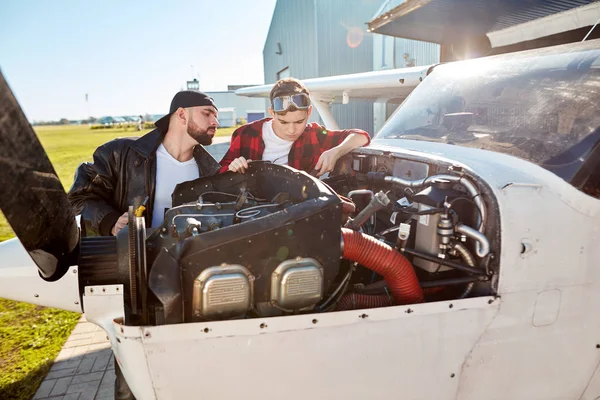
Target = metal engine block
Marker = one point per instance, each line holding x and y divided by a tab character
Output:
235	245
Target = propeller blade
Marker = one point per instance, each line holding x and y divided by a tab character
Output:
31	195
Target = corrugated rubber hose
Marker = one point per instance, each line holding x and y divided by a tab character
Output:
353	301
387	262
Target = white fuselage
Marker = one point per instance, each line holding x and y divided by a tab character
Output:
537	340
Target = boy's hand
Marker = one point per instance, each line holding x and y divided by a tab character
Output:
240	165
327	161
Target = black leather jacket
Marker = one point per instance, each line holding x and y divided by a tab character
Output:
123	173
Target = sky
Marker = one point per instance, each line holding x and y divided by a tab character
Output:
131	57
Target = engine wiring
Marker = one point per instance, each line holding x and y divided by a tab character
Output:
240	214
341	289
448	209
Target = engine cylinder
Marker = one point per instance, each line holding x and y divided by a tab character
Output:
297	284
225	291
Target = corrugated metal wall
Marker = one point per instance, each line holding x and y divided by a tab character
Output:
345	47
318	38
415	52
292	32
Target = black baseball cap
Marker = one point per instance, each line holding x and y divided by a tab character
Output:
184	99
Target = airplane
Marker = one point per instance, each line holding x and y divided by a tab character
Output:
392	85
455	257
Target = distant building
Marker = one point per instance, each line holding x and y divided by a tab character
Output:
310	39
242	107
227	118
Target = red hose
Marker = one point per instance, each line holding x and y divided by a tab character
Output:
353	301
387	262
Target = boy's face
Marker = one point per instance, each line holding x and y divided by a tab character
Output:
291	125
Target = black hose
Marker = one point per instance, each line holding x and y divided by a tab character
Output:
339	292
429	211
451	281
381	286
448	263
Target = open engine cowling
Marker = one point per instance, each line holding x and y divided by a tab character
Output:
267	241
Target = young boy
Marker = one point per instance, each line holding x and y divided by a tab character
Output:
287	138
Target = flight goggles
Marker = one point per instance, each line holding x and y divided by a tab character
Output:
300	101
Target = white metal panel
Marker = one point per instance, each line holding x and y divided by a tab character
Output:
519	361
592	391
102	305
21	281
132	358
373	354
560	22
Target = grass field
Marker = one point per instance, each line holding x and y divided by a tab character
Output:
31	336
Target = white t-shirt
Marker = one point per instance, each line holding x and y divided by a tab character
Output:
276	148
169	172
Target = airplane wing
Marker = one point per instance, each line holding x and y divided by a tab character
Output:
386	85
392	85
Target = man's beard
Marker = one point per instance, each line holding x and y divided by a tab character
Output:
199	135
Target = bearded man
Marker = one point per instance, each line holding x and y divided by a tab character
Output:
127	171
132	171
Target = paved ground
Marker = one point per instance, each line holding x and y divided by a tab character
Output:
84	369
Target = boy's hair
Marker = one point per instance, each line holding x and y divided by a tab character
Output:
287	87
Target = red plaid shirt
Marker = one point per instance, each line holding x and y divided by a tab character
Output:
247	142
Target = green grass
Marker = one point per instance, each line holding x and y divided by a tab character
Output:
31	336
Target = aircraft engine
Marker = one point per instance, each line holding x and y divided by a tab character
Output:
262	243
233	245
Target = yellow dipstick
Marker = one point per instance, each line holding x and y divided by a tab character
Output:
139	211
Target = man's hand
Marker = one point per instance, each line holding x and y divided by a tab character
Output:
240	165
327	161
121	222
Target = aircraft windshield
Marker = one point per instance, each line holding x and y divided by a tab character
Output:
541	106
